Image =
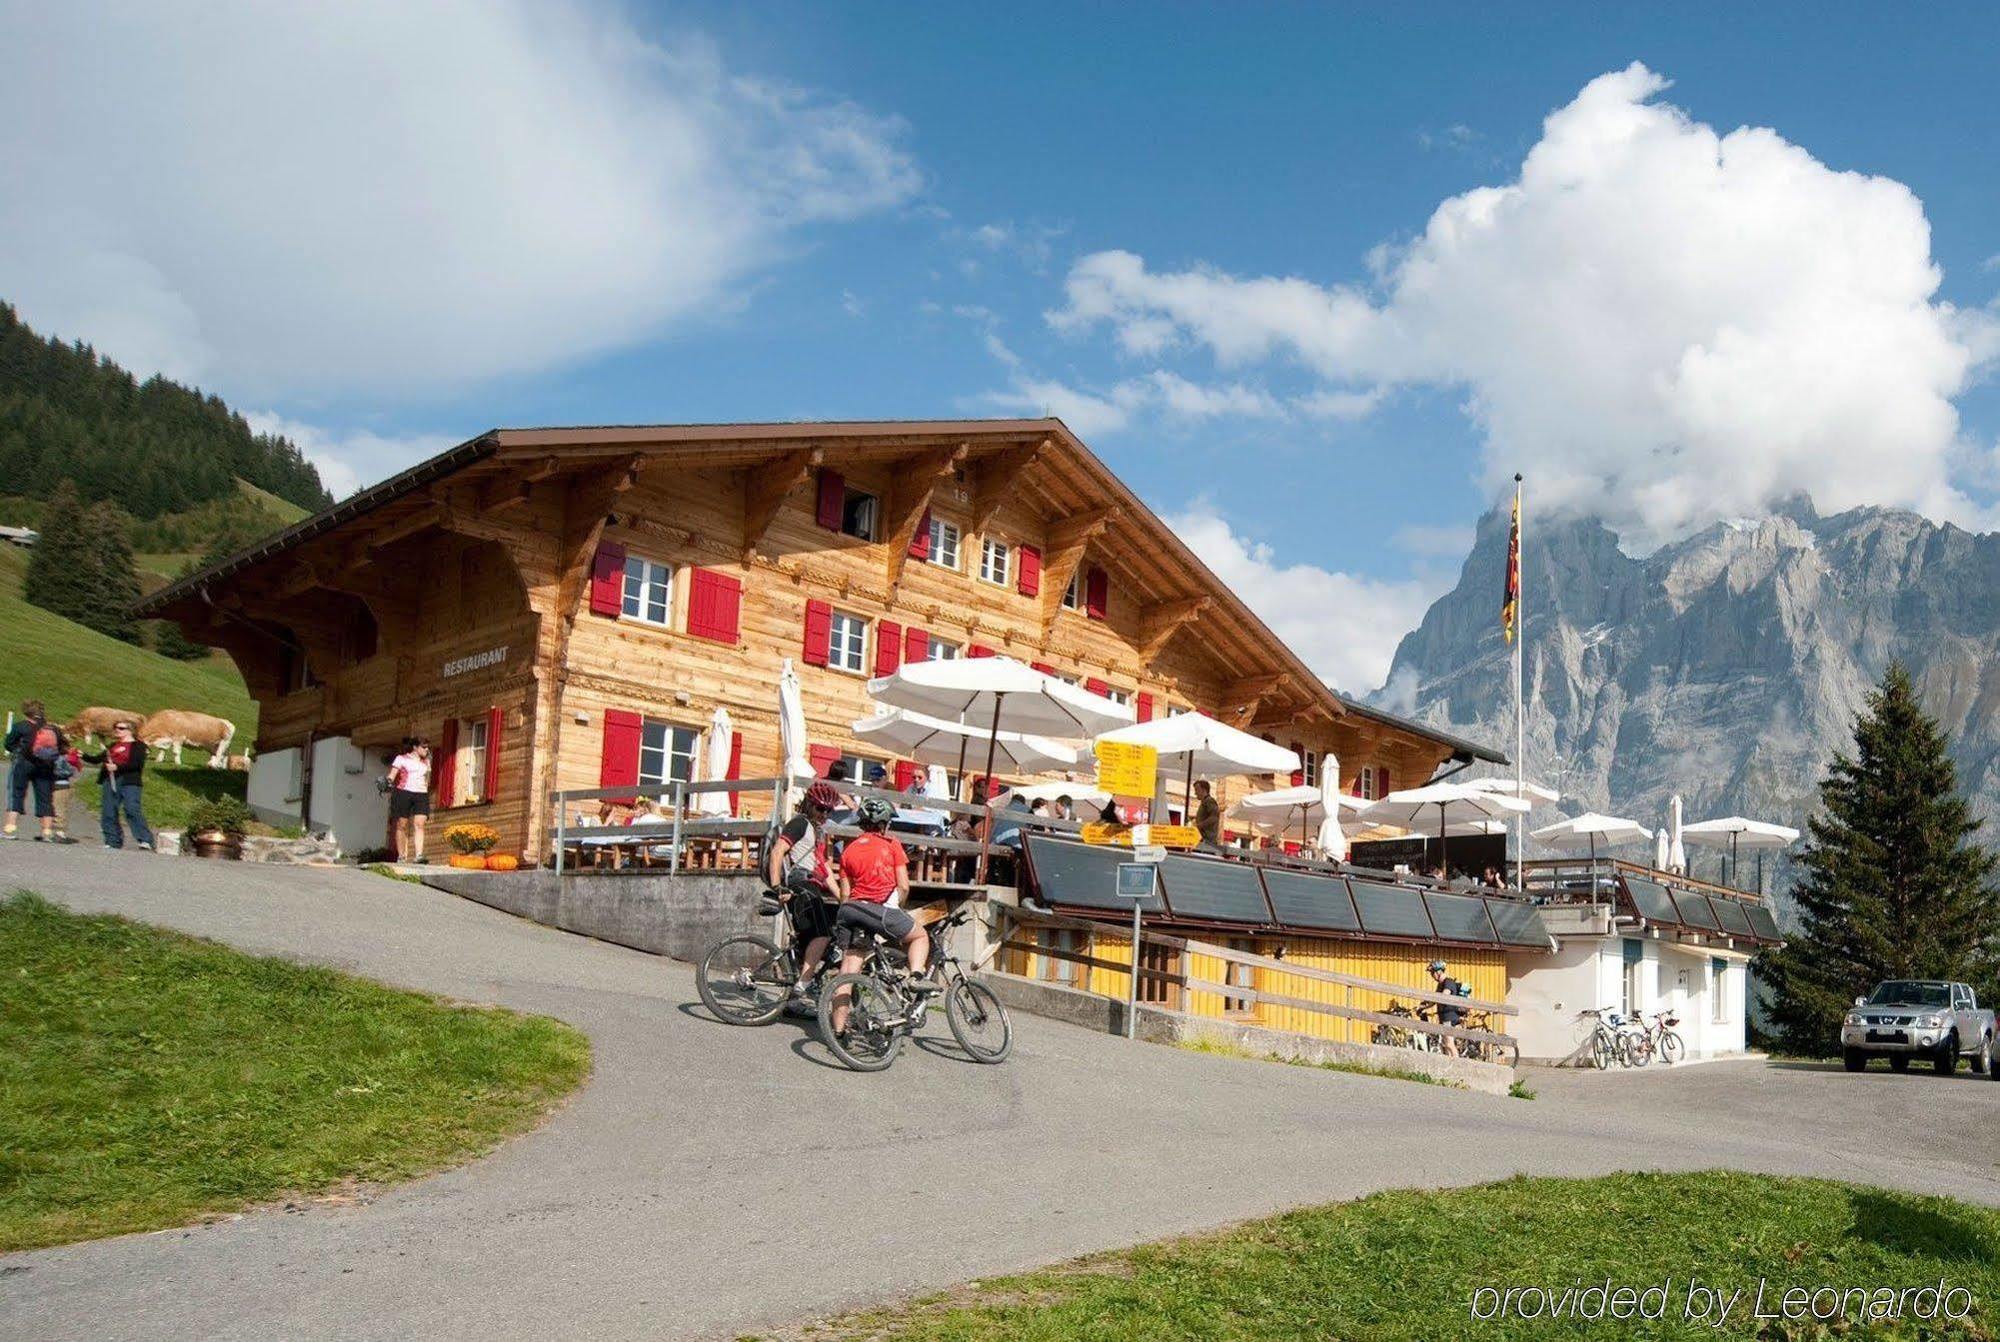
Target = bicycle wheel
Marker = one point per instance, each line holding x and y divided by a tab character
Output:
874	1034
1672	1050
744	980
1638	1050
978	1021
1602	1050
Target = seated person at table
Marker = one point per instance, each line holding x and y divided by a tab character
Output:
876	871
797	868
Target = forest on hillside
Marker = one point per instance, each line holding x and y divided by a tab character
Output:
153	447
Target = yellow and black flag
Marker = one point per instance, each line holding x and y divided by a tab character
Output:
1510	603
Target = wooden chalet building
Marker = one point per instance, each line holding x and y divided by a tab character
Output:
567	608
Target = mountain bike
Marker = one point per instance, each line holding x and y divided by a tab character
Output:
1397	1036
1666	1041
1487	1050
747	979
1606	1039
884	1010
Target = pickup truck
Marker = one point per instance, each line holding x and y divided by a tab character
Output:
1918	1018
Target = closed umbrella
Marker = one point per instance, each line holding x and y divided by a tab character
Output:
1590	830
1332	834
933	741
1441	804
715	761
1736	833
1677	856
792	725
1660	844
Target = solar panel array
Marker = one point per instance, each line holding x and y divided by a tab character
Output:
1762	923
1652	901
1695	911
1730	913
1213	890
1713	914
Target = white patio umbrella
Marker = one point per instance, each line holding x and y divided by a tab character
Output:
1591	829
1677	856
933	741
1735	833
1506	787
1332	832
1197	746
1000	694
1083	794
792	725
1279	810
1441	804
715	765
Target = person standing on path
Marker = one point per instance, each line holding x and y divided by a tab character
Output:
33	747
67	768
410	799
121	773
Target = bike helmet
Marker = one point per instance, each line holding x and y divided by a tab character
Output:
1437	967
875	811
823	795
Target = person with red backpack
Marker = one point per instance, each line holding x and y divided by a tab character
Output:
34	746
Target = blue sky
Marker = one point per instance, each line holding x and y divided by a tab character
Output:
762	211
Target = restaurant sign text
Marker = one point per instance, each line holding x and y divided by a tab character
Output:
475	661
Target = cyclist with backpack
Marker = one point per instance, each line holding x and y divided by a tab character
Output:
1447	1015
798	870
34	746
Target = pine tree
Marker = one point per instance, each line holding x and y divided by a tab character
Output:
1894	885
108	531
61	573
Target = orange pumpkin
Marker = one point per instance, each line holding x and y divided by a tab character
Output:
469	861
502	862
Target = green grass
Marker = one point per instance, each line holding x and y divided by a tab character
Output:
1408	1266
68	667
148	1079
283	512
1224	1049
168	794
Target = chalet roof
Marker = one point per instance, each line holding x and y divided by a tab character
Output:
1064	475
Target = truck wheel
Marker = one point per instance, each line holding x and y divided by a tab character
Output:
1946	1061
1899	1062
1854	1060
1982	1057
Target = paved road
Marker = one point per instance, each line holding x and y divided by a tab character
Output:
695	1187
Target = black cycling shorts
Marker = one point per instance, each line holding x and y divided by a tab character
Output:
810	910
404	803
859	917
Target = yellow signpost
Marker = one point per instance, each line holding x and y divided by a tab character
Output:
1168	836
1127	770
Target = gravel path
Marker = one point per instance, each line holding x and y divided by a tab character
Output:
700	1184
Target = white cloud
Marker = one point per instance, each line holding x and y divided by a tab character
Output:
1158	395
382	196
1656	322
1435	542
349	459
1345	627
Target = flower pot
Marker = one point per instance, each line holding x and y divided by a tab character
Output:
469	861
219	844
502	862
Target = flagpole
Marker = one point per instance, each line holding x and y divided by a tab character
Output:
1520	708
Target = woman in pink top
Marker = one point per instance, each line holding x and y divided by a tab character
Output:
410	798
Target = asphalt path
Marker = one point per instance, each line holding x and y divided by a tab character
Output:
710	1180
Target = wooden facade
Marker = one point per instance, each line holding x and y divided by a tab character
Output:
562	608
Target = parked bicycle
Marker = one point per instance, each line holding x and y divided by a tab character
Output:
1398	1036
1487	1050
883	1010
1665	1040
747	979
1612	1039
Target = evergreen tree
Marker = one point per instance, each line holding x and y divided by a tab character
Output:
61	573
1894	885
108	532
169	641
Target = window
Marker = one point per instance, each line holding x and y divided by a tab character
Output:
667	752
1629	1000
1311	761
649	591
858	512
847	643
993	561
944	543
470	764
1073	594
1719	994
856	767
1367	783
941	651
1119	696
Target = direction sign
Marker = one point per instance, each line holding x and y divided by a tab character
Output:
1135	880
1127	770
1167	836
1148	852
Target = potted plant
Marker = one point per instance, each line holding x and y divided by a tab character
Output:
215	828
469	844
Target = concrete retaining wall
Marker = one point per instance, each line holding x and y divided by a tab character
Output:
1168	1027
678	915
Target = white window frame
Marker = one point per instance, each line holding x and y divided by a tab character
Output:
943	650
1073	594
655	586
872	511
662	759
1118	696
940	529
468	763
1002	574
858	767
855	643
1309	761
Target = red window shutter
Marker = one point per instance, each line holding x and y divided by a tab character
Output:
1382	788
735	769
1299	774
979	650
916	645
819	632
888	647
1145	708
822	758
607	579
920	544
1043	667
619	763
495	720
445	769
715	605
1096	686
1096	593
832	498
1030	579
906	774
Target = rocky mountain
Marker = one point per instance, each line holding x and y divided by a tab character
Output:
1726	667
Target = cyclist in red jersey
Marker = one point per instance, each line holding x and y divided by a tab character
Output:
875	870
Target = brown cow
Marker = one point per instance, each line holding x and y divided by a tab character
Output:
98	722
179	727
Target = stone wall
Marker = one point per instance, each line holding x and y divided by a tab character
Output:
680	915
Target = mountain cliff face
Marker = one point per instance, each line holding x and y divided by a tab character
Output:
1727	667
